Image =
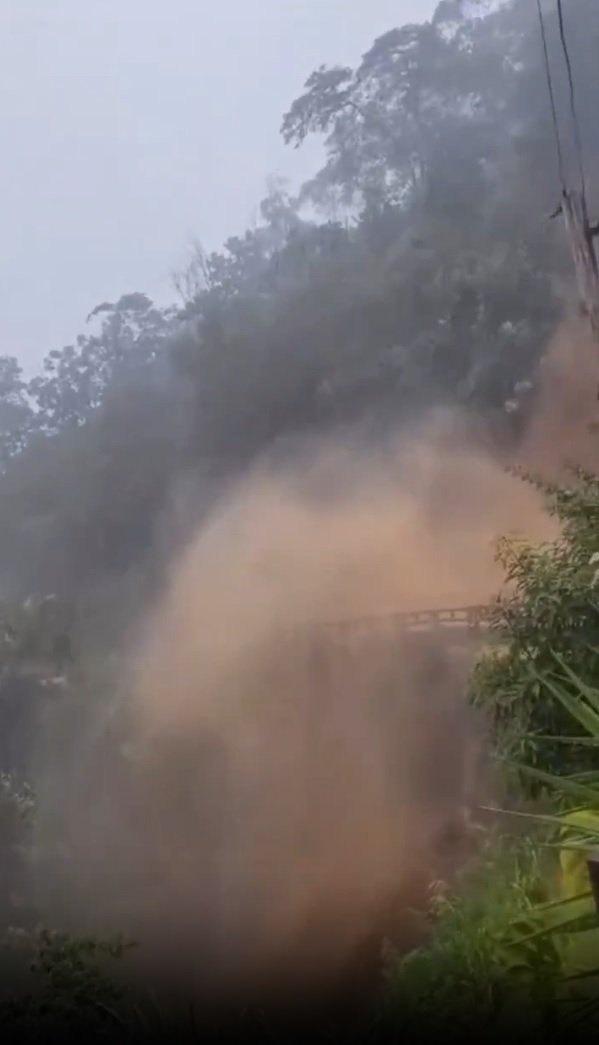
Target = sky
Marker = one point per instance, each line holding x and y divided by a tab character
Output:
131	128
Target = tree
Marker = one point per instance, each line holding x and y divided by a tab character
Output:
422	94
16	414
441	285
552	608
75	379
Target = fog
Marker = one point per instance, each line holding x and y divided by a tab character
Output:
289	798
131	129
321	427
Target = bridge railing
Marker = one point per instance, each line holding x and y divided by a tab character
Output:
471	618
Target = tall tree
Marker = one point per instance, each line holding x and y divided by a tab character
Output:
16	414
75	379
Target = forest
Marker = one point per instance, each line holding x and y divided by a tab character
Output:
182	481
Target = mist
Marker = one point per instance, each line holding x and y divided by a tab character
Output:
323	426
288	796
112	88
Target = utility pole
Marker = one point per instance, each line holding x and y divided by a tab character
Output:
581	239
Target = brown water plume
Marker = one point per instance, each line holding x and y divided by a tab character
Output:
563	429
285	797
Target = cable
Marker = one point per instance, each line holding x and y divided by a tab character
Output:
560	155
576	125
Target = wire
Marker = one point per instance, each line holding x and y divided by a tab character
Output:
575	123
548	77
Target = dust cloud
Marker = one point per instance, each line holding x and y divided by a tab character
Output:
563	429
286	798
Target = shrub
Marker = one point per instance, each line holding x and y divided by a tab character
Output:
552	606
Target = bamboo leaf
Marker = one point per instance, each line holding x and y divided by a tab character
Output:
589	692
564	923
565	784
577	707
581	741
541	818
575	977
573	847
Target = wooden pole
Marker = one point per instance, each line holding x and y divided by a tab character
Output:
581	238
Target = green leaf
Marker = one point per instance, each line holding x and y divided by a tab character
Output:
561	919
557	739
589	692
588	974
540	818
564	784
577	707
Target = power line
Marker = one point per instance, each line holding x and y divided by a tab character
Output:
575	123
549	79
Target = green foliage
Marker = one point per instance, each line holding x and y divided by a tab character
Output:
516	949
68	989
16	414
424	273
17	810
16	799
552	608
430	94
468	979
34	635
76	378
569	921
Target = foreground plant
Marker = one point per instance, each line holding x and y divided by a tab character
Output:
571	919
463	981
551	606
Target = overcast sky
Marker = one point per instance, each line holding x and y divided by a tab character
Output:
131	127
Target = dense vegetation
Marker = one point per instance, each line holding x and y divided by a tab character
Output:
417	267
552	610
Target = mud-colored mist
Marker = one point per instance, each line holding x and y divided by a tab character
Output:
284	796
564	428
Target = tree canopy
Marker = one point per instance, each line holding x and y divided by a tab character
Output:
417	267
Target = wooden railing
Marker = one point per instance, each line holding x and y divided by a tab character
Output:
463	618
